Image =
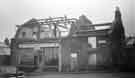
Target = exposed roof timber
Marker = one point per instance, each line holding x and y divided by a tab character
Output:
63	26
57	19
92	34
95	27
102	24
52	18
93	31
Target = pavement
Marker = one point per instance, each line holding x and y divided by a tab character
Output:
86	74
83	75
75	72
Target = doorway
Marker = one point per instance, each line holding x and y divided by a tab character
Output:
50	56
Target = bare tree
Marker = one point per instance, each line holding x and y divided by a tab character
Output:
117	37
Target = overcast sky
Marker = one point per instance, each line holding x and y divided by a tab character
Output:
16	12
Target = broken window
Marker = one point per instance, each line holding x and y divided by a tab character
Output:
23	34
34	35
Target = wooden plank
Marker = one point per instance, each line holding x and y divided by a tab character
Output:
60	59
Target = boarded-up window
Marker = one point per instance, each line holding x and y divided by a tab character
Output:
26	60
92	59
92	42
102	43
